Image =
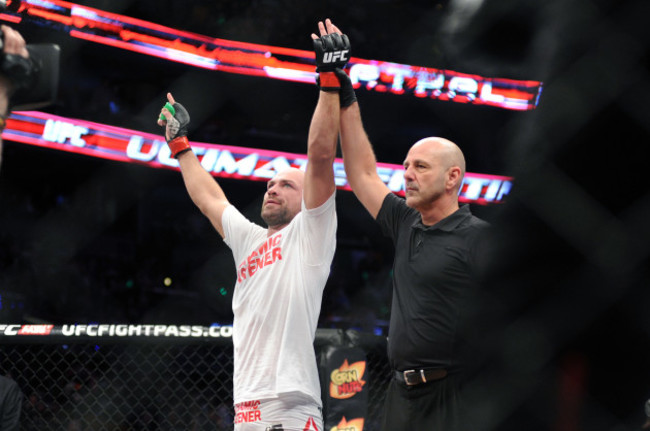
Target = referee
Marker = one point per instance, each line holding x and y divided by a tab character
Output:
436	244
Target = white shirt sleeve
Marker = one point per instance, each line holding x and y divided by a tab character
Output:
240	234
318	232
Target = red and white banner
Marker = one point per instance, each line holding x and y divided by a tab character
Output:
105	331
268	61
125	145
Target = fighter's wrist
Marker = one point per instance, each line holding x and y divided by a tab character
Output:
179	145
328	81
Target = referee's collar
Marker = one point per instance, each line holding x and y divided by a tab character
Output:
447	224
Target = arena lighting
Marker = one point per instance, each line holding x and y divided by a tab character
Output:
268	61
125	145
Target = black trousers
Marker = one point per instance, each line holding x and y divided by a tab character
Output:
432	406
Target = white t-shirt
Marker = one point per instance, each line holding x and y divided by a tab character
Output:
277	300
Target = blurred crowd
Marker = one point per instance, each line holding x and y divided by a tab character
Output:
64	259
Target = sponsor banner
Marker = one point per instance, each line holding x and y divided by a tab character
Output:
347	380
349	425
268	61
344	386
126	145
114	331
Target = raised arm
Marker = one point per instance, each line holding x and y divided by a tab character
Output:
321	151
358	157
204	191
332	50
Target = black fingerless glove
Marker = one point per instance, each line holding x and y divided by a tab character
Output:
176	129
332	51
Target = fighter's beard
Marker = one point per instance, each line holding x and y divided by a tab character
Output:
276	218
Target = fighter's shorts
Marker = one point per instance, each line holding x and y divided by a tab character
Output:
288	412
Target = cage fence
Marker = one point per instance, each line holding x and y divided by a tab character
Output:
142	383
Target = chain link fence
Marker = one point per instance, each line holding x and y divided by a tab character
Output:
142	383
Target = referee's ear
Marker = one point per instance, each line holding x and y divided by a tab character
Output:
454	178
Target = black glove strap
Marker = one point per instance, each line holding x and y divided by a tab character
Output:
346	93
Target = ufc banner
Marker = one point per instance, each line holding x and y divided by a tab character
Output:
344	387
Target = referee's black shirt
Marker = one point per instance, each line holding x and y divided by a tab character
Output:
433	276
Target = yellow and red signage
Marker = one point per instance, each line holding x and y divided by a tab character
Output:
351	425
347	380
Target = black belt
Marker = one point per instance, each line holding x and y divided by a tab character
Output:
415	377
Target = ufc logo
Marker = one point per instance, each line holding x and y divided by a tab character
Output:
331	57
